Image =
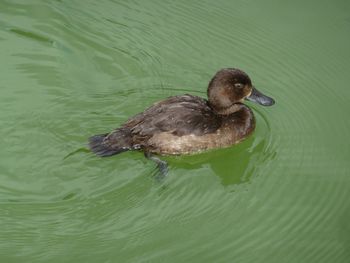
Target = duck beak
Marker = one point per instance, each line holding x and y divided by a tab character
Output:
258	97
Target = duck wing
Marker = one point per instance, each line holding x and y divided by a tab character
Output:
179	115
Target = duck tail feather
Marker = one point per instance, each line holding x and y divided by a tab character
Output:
99	147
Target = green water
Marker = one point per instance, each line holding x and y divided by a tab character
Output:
71	69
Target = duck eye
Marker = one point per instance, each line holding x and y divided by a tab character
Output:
238	85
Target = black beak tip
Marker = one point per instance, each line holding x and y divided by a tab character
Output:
269	102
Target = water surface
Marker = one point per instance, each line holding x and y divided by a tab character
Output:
71	69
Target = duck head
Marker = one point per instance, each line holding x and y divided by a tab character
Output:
231	86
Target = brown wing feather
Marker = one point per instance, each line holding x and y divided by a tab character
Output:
180	115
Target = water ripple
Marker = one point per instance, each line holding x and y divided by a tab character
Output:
73	70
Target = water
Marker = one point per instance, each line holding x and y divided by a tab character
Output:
71	69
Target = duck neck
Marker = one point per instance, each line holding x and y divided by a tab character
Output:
228	110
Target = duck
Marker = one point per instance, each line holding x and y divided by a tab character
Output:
188	124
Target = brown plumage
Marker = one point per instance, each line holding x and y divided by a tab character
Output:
188	124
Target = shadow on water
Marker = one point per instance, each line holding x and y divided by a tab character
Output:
80	150
241	163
